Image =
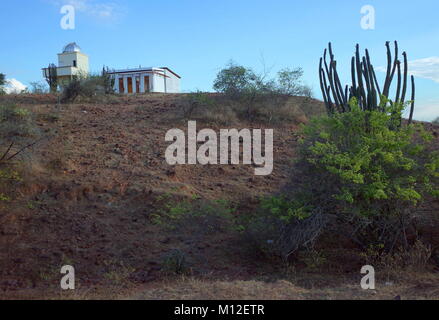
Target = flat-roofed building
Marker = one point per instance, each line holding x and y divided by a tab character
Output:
143	80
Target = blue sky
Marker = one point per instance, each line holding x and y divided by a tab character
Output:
196	38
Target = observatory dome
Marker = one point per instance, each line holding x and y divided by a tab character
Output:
71	47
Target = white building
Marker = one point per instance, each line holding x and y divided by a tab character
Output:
143	80
71	63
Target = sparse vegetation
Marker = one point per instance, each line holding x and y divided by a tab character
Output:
359	192
17	135
199	218
254	98
369	175
38	87
17	131
366	176
2	83
86	88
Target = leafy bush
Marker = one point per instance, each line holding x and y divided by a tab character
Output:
38	87
290	83
175	262
197	217
193	102
237	81
71	91
364	169
17	135
85	88
283	227
254	97
15	123
234	80
359	175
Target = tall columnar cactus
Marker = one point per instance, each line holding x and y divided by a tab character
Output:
365	87
52	77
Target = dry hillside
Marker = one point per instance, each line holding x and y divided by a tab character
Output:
92	186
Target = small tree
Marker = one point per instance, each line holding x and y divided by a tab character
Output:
234	80
436	121
38	87
290	83
256	96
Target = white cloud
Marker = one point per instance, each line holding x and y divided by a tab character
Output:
426	68
427	110
14	86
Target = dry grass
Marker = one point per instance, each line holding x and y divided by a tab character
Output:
414	286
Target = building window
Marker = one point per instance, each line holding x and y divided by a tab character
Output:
74	63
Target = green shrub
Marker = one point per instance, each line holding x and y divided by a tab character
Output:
8	178
175	263
254	97
89	87
38	87
283	227
366	170
358	174
193	102
290	83
197	217
18	132
15	123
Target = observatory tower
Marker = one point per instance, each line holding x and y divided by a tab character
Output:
71	63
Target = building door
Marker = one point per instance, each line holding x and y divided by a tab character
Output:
147	88
121	86
130	84
137	84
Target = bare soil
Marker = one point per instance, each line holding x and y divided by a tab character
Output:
90	190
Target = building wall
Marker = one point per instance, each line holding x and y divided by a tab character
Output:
66	60
172	83
159	83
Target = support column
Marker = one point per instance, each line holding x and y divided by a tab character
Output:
125	84
142	83
134	83
116	84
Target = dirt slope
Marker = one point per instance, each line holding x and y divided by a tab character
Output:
94	185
